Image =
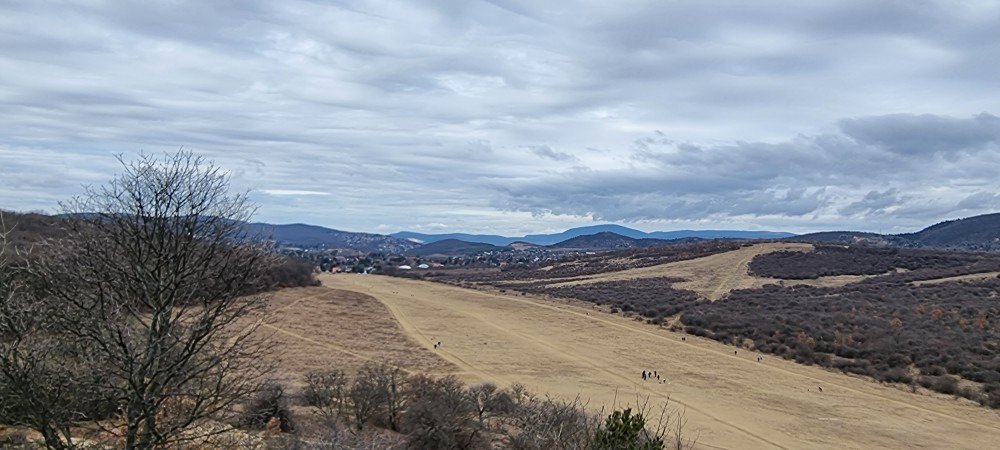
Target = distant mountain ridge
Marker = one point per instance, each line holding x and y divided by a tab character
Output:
607	240
555	238
313	236
981	233
452	247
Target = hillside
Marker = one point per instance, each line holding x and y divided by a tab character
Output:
971	233
556	238
421	238
836	237
27	228
452	247
521	245
312	236
607	240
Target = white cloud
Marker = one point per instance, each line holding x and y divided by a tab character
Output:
292	192
517	116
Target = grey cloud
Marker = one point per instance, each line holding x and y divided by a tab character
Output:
807	175
874	202
421	111
980	201
926	133
545	151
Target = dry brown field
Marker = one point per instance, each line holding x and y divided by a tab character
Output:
320	328
567	350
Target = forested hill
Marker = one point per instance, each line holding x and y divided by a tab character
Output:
971	233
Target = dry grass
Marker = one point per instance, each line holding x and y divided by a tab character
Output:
322	328
732	401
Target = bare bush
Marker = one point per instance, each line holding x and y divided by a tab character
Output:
267	405
377	396
327	392
490	402
442	415
545	423
145	293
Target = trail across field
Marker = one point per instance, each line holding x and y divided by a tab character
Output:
731	400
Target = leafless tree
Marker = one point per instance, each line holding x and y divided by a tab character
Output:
157	284
539	423
32	379
377	395
490	401
327	392
441	415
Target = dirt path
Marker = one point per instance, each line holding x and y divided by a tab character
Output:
732	401
968	277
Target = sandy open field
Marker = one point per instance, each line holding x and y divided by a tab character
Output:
732	401
714	276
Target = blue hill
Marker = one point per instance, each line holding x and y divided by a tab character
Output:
549	239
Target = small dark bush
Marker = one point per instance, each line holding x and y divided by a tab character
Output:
944	384
269	403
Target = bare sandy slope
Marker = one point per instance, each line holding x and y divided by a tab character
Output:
732	401
715	275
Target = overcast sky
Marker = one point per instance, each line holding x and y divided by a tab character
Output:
519	116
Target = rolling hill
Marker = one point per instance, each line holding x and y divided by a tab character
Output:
607	240
971	233
452	247
555	238
312	236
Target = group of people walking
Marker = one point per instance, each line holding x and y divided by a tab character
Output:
650	374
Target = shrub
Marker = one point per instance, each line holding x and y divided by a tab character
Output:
269	403
327	391
944	384
442	415
625	431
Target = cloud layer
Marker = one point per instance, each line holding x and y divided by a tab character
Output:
519	116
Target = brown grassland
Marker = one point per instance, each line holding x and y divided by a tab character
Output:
567	349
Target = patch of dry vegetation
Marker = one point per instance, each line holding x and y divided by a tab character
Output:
319	327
